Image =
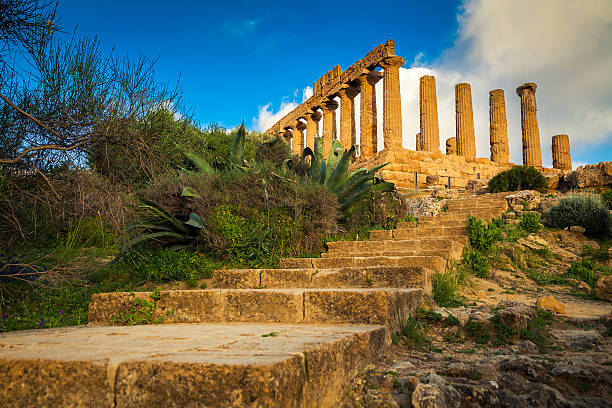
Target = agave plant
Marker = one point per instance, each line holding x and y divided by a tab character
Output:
352	189
236	159
158	225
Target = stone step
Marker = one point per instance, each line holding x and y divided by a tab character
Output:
384	306
412	244
421	231
408	275
442	253
435	263
187	365
435	221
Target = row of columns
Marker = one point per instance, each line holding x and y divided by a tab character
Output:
364	85
463	144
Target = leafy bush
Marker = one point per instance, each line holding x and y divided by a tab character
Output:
530	222
606	198
586	270
163	265
516	179
481	236
476	262
583	210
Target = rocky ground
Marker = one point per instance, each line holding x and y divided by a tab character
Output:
509	356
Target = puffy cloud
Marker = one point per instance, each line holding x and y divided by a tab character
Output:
266	117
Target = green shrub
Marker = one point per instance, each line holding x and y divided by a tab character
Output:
476	262
445	289
530	222
411	333
585	270
583	210
516	179
481	236
606	198
163	265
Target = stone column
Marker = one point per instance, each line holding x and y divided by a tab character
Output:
288	136
298	137
429	114
498	127
532	153
367	116
392	105
329	124
451	146
466	141
348	135
419	142
312	127
561	152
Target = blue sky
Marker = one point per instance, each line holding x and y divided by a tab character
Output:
244	59
235	56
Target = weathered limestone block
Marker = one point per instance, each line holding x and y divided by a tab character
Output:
532	153
392	106
312	127
419	142
561	152
329	124
466	142
429	114
498	127
451	146
348	135
367	117
592	175
298	137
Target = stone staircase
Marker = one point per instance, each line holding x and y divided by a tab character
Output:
287	337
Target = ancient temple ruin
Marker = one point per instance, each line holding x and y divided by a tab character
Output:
426	166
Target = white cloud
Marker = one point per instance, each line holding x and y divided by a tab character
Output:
267	117
563	46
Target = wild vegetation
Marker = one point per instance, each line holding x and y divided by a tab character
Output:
517	178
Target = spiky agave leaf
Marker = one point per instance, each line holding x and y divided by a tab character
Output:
200	162
237	152
317	160
333	159
339	173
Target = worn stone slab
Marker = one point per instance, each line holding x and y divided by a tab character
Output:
391	245
190	365
432	262
420	232
354	277
238	305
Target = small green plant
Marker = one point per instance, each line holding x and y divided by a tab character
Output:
518	178
530	222
481	236
586	270
584	210
476	262
478	332
606	198
445	289
140	311
537	331
271	334
412	335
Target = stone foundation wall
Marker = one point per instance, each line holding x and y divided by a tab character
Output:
433	169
